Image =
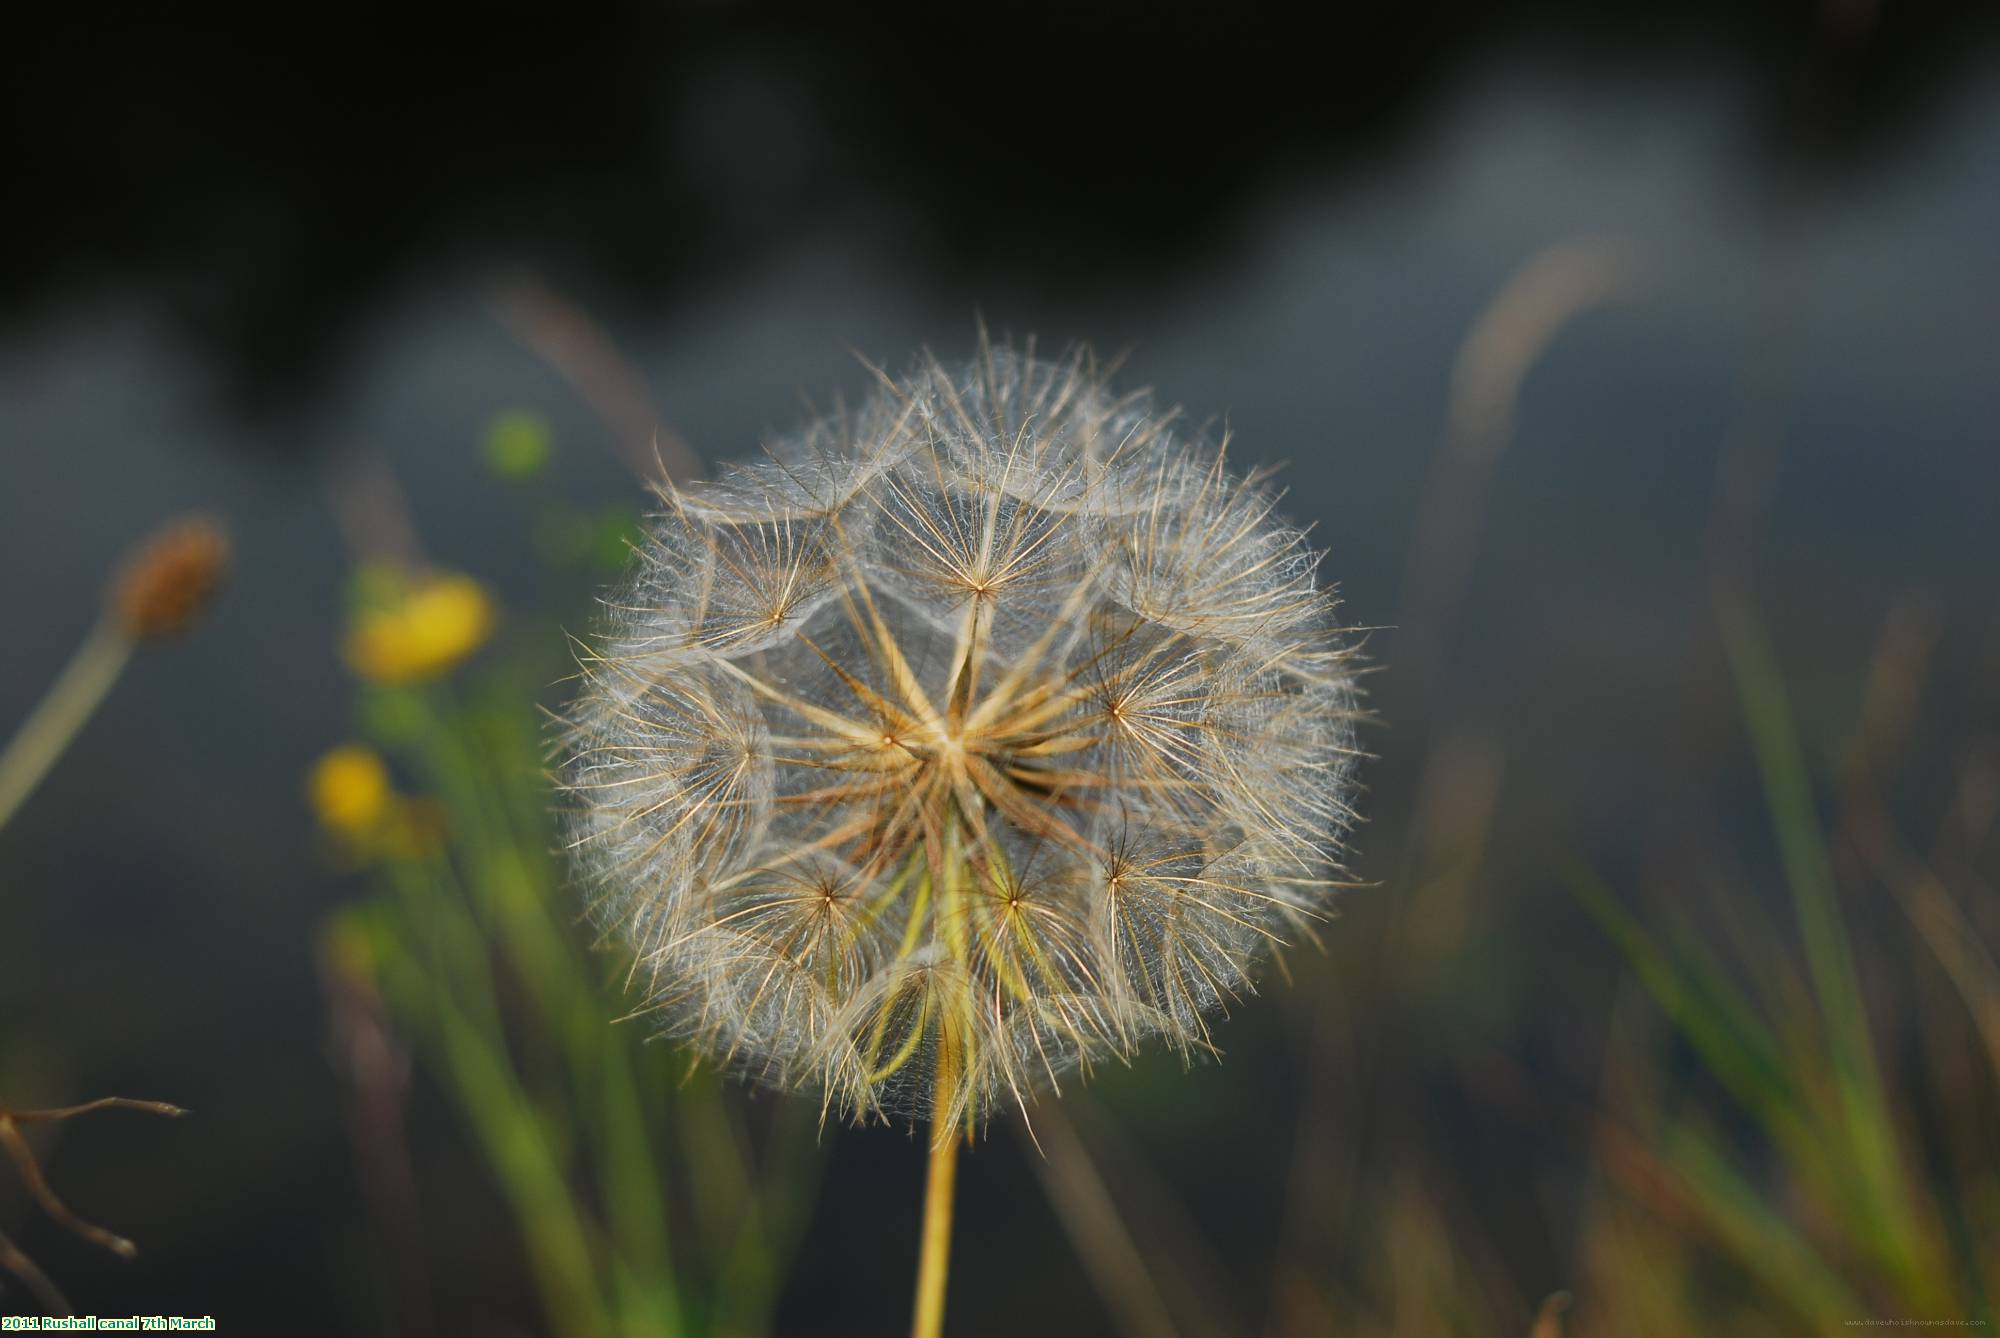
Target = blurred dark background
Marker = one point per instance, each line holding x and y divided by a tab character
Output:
237	249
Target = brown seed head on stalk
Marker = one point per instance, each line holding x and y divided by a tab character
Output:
969	737
167	583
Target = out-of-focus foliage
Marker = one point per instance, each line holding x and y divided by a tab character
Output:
1814	1190
642	1201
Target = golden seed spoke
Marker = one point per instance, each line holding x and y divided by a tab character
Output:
832	721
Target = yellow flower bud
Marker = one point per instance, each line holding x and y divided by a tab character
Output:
350	791
421	633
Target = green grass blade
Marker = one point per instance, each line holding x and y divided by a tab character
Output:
1721	1026
504	1120
1889	1222
1760	1240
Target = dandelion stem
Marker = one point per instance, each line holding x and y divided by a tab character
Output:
934	1253
75	695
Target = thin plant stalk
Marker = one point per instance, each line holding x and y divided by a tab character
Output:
158	594
934	1248
23	1157
56	720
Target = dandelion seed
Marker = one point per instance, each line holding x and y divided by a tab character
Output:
963	741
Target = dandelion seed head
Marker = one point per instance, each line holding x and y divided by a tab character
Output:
962	740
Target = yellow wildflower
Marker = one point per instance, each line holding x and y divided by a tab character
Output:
425	630
350	791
